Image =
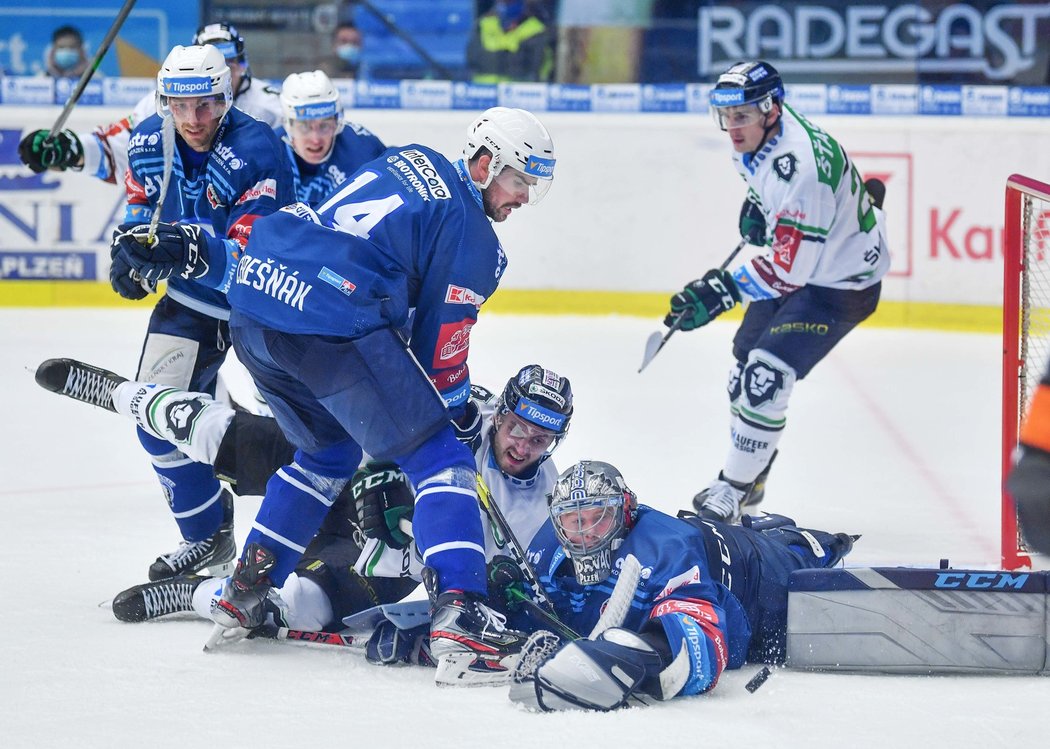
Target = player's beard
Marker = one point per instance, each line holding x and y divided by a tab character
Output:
497	211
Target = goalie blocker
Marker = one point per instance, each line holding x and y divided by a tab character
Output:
919	621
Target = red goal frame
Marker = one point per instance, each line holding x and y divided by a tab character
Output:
1017	257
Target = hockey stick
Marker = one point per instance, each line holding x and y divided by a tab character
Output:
656	341
89	71
516	551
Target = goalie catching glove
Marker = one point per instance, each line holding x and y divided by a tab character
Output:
61	152
176	249
615	669
703	300
382	498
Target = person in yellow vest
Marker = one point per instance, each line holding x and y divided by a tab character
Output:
512	42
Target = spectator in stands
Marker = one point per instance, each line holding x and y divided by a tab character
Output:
513	41
345	60
66	56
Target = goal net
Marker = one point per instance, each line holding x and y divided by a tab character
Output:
1026	327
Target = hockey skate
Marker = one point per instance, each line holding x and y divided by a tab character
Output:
160	598
724	500
214	554
721	500
80	381
471	641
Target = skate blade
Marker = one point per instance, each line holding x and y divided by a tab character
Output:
473	670
221	635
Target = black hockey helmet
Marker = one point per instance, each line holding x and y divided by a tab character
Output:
755	82
225	38
540	396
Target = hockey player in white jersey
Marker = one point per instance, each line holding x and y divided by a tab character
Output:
819	277
361	556
103	153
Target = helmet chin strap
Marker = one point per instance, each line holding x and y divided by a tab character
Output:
768	130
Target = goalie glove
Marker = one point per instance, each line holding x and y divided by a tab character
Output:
703	300
176	249
617	668
382	497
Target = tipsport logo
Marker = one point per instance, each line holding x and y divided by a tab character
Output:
186	86
315	111
540	167
540	416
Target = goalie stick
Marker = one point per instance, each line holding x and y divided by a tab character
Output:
656	342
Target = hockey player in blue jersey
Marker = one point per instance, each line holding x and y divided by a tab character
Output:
710	595
320	300
227	169
324	148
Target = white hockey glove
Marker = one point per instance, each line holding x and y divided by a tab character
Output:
617	668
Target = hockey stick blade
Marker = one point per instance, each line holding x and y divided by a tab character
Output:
656	342
221	635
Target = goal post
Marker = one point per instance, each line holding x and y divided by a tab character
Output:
1026	328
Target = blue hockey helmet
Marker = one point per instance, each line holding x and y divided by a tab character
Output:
540	397
592	511
746	83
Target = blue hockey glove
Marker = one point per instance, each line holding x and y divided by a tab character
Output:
389	645
382	497
176	249
468	425
752	223
702	301
125	281
599	674
61	152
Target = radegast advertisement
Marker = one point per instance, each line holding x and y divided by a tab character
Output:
976	42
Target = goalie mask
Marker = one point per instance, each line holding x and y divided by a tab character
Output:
592	511
518	141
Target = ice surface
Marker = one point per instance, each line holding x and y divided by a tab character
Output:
895	436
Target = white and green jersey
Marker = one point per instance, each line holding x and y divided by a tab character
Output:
523	503
821	228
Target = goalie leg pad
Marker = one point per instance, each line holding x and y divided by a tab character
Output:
920	621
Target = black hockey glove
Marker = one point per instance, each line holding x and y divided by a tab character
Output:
382	497
125	280
176	249
468	425
702	301
752	223
506	582
61	152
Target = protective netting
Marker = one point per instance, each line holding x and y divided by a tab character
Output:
1035	295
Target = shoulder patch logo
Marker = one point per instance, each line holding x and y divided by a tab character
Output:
785	166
